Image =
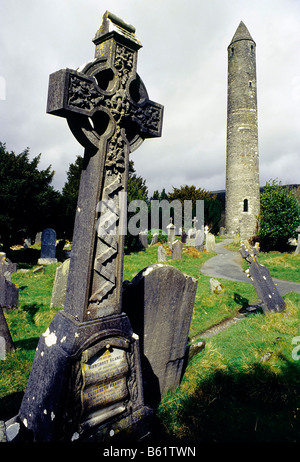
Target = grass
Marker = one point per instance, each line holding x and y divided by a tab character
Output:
227	393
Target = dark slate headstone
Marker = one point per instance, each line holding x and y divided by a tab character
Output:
48	247
159	302
9	293
262	282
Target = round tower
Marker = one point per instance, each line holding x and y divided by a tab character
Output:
242	163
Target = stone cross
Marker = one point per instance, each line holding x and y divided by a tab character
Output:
107	108
86	381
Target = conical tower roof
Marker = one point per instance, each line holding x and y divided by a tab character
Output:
241	33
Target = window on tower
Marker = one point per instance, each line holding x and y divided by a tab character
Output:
245	209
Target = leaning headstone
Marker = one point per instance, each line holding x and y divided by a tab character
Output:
159	301
154	239
60	285
86	375
48	247
161	254
177	250
262	282
210	243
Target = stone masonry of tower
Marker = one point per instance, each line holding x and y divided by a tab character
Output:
242	162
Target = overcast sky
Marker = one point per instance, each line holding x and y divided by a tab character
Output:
183	64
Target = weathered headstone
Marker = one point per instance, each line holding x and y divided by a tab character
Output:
210	243
86	374
9	293
262	282
171	232
161	254
177	250
6	342
38	238
48	247
154	239
60	285
7	267
199	239
159	301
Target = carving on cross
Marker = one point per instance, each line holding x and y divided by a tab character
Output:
108	110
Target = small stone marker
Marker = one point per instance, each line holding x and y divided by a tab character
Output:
177	250
161	254
159	301
48	247
86	375
262	282
215	286
171	232
210	243
60	285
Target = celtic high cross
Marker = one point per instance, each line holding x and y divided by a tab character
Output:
107	108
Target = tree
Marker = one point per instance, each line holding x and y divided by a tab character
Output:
70	196
28	201
279	216
212	206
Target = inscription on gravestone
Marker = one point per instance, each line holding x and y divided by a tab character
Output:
86	374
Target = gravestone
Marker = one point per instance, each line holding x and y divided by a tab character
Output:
86	375
9	293
210	243
262	281
38	238
7	267
48	247
177	250
6	342
161	254
171	232
60	285
154	239
159	301
183	237
199	239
